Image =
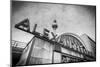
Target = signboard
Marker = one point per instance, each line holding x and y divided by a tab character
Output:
65	59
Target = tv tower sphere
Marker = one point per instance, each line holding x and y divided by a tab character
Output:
54	25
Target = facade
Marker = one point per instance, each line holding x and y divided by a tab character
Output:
68	48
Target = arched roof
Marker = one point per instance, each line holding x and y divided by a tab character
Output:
74	35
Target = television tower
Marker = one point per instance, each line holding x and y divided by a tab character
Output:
54	27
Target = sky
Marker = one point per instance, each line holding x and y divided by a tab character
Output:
77	19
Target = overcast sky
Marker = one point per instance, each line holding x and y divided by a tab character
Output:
76	19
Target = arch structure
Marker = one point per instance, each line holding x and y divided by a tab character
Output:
70	40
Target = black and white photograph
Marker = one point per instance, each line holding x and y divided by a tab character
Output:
46	33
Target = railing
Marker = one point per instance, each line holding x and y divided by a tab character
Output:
18	44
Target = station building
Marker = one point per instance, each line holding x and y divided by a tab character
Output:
67	48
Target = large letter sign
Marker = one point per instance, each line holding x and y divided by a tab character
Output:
23	25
